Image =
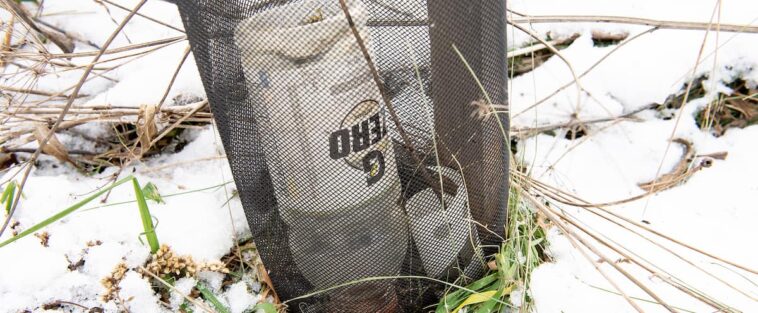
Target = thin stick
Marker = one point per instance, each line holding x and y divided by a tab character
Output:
173	78
58	39
526	131
553	49
676	284
96	75
649	266
7	38
585	204
74	95
549	214
601	60
144	16
391	109
111	51
681	108
672	252
181	120
571	237
631	20
538	47
35	92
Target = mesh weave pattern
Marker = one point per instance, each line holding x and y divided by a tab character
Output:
343	178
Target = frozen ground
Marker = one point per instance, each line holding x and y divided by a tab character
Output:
714	210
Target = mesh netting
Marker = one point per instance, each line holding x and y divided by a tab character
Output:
346	172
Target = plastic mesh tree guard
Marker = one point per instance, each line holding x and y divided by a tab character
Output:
361	143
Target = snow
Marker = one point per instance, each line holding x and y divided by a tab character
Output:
138	295
239	297
714	210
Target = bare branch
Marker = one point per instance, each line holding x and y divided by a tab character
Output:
526	19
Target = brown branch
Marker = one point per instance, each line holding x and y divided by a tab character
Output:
60	40
112	51
167	130
526	19
173	78
32	150
529	131
35	92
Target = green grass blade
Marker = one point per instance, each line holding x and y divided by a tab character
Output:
64	213
454	299
476	298
492	305
8	196
489	306
147	219
186	308
266	307
208	295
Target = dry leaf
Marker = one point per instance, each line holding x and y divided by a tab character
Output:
53	147
146	127
264	278
679	174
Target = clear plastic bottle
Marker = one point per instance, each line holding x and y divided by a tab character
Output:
325	139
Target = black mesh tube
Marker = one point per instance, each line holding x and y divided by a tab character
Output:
346	173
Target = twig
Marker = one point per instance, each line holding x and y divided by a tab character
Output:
193	161
59	40
630	20
550	215
538	47
528	131
552	48
571	238
32	150
167	130
111	51
616	48
7	38
35	92
74	95
650	267
173	78
65	33
683	104
144	16
96	75
672	252
635	298
561	196
391	109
